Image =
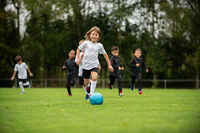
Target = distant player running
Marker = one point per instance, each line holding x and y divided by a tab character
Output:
116	64
21	68
90	63
72	73
136	68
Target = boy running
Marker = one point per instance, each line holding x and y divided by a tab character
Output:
72	73
21	68
136	67
116	74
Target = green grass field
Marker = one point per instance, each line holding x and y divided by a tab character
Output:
50	111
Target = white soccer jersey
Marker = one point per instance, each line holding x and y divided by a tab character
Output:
22	70
91	52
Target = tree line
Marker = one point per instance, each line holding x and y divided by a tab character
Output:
166	30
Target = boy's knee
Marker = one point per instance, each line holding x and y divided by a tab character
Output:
20	83
86	82
94	78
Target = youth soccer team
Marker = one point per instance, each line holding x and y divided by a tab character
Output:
86	65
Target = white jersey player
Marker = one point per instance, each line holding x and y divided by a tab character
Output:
21	68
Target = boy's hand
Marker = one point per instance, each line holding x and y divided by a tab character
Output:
99	68
31	75
12	78
63	67
78	61
137	65
110	68
147	70
121	68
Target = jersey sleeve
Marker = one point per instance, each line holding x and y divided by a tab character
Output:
83	45
25	66
15	69
65	63
101	49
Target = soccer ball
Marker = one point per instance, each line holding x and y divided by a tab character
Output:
96	99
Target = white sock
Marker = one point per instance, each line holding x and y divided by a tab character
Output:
21	86
93	86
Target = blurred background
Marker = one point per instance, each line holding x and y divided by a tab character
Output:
44	31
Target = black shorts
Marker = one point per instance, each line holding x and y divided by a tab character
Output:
22	80
137	76
87	73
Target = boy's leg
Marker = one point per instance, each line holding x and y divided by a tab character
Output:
94	75
86	85
81	81
119	79
21	86
140	83
68	85
86	77
112	81
132	85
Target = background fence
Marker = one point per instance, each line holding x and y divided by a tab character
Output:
103	83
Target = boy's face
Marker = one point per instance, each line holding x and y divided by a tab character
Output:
138	53
19	62
94	36
115	52
71	54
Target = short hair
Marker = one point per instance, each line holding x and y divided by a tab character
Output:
18	58
114	48
72	51
95	28
138	49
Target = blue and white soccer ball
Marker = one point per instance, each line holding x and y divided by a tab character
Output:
96	99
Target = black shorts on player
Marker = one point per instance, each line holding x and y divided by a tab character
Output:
87	73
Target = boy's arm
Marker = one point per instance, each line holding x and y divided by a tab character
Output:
30	73
99	67
133	63
78	56
64	67
13	76
113	63
145	67
120	65
108	62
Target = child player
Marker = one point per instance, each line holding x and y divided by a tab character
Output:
136	67
90	62
72	68
116	74
21	68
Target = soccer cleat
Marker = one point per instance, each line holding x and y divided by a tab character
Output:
87	97
70	94
88	89
140	92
